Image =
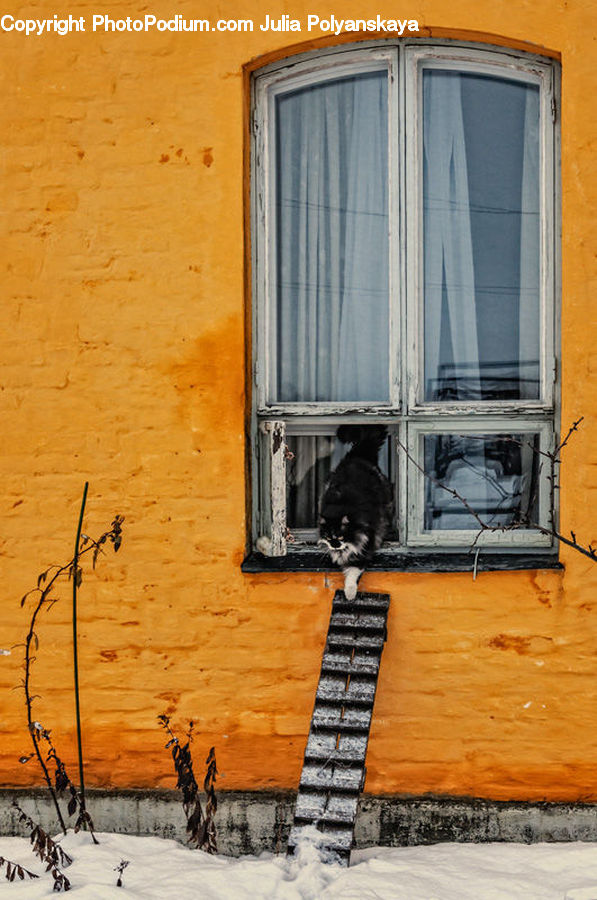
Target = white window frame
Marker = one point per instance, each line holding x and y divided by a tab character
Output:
502	65
326	427
268	87
408	414
519	537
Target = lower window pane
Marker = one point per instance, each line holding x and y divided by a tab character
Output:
310	460
496	474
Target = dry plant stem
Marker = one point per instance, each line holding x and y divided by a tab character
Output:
200	827
120	869
573	428
35	730
212	803
76	650
15	870
586	551
62	782
49	851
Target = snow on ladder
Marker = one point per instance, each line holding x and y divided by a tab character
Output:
334	767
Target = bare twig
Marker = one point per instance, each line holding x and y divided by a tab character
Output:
571	430
554	458
482	525
589	551
120	869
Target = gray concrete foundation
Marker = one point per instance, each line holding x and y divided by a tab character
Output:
250	822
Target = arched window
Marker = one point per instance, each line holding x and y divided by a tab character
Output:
405	270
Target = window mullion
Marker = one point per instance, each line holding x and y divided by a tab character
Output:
412	217
272	541
396	230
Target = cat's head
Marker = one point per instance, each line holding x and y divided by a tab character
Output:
340	537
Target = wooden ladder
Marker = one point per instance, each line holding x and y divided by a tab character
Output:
334	766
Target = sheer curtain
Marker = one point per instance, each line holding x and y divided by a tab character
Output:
448	249
481	196
331	310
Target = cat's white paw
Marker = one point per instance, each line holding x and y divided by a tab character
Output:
351	581
350	591
264	545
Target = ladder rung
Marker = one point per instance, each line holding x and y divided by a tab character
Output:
360	688
362	663
339	777
342	719
361	621
353	638
345	748
362	600
326	807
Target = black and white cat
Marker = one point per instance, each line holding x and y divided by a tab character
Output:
356	507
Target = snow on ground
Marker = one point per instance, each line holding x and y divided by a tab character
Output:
164	869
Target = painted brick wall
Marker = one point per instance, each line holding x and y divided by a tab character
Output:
122	361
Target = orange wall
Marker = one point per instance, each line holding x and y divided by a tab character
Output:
122	361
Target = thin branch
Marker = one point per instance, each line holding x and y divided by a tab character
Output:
554	459
586	551
571	430
455	494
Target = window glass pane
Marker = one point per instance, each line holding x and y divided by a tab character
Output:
497	475
481	198
307	470
330	310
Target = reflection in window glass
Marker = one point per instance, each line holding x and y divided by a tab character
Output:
481	198
307	469
331	305
497	475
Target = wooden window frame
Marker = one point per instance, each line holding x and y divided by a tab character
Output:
407	413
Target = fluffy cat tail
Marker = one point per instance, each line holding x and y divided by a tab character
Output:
366	440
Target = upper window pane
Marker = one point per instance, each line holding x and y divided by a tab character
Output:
329	317
481	198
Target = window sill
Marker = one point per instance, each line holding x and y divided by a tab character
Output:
308	560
